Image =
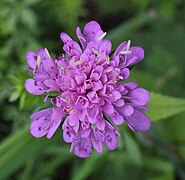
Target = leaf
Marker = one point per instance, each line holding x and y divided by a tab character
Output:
162	107
18	148
15	95
133	150
89	165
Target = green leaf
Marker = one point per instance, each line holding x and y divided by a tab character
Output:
15	95
89	165
133	150
162	107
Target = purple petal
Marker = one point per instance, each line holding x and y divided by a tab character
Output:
36	128
125	73
108	108
137	54
31	58
127	110
65	38
97	145
56	118
139	96
68	136
120	48
111	141
116	118
130	85
42	113
31	87
81	37
91	29
83	149
138	121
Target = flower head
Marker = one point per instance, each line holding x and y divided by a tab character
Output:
88	80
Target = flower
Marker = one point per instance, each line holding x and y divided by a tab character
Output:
94	96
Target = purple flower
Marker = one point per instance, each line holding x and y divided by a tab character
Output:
88	80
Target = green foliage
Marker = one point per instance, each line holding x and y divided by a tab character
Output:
158	26
162	107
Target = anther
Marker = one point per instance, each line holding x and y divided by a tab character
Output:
63	99
110	69
120	77
37	63
47	52
98	61
77	62
107	60
69	109
82	38
102	36
95	51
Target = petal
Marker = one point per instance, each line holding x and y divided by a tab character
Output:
139	96
31	86
130	85
52	85
42	113
50	66
97	145
125	73
137	54
108	108
105	46
56	118
68	136
111	141
36	128
31	58
127	110
117	119
83	149
91	29
81	37
138	121
120	48
65	38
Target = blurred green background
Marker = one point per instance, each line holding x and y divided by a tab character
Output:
156	25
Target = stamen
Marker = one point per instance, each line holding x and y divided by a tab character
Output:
95	51
114	79
110	69
47	52
98	61
77	62
107	60
128	45
127	51
102	36
120	77
37	63
69	109
63	99
82	38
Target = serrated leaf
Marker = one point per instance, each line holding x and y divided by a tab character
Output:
162	107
